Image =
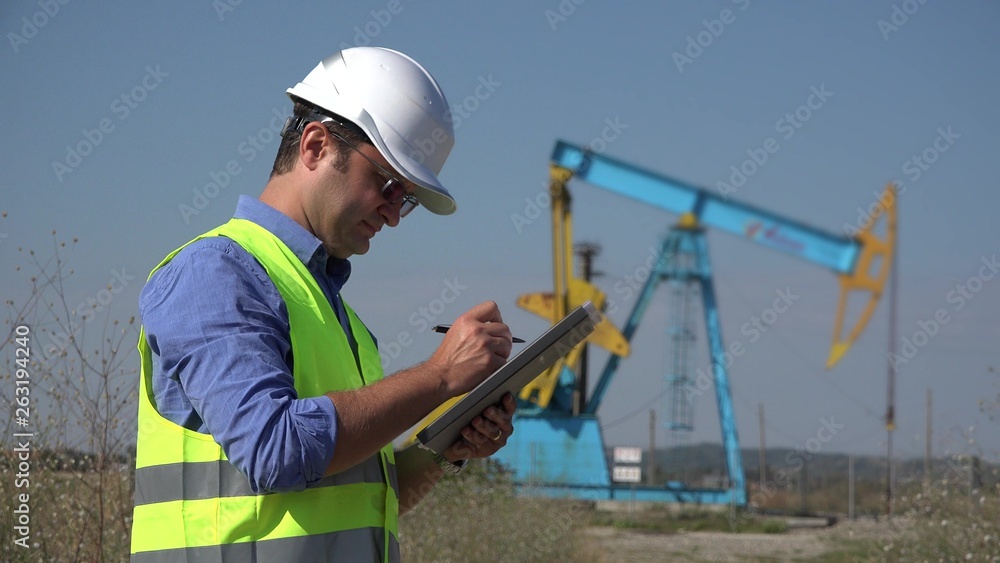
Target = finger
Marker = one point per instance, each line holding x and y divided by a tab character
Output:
498	329
503	431
485	439
488	428
499	417
501	340
474	436
501	347
509	404
487	312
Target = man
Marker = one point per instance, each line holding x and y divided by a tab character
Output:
265	425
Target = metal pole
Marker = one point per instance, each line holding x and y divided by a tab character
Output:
927	445
803	477
763	448
850	487
888	475
890	395
651	460
587	251
631	504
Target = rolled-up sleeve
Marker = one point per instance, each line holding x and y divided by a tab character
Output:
218	329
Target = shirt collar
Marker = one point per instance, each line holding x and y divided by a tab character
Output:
304	244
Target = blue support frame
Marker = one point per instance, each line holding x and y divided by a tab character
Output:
723	395
556	454
638	310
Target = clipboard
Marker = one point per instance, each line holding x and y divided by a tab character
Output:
520	370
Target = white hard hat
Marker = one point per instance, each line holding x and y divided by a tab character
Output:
398	104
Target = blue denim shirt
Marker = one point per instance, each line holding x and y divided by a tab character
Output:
222	359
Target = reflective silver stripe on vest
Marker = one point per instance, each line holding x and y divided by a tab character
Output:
216	479
363	544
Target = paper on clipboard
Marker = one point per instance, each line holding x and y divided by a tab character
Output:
520	370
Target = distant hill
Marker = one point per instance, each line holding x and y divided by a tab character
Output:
705	461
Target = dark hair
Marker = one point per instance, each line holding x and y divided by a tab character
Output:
288	149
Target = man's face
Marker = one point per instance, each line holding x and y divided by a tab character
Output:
350	206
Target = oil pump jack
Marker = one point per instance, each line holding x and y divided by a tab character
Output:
558	447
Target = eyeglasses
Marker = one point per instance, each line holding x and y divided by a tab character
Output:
393	190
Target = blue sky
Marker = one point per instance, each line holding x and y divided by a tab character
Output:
118	114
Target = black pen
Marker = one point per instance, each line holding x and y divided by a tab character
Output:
444	328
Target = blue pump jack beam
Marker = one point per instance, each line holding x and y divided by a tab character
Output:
834	251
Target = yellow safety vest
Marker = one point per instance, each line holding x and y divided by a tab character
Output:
191	504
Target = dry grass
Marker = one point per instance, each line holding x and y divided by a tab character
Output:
69	519
945	522
832	499
475	516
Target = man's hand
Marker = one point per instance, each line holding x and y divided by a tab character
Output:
486	434
477	344
418	472
370	417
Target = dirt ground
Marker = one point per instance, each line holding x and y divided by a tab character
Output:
849	541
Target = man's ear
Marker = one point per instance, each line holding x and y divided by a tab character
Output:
314	145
